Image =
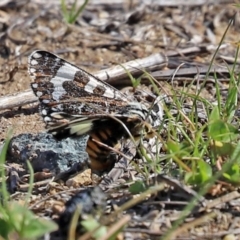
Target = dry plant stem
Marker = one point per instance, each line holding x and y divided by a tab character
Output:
189	71
25	187
177	184
196	222
53	195
88	235
73	224
220	234
197	236
188	120
221	200
112	149
175	72
136	200
176	3
115	227
17	99
111	75
146	231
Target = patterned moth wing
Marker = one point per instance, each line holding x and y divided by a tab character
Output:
72	99
73	103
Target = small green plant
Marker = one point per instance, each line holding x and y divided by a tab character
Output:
91	224
71	15
16	221
197	148
135	81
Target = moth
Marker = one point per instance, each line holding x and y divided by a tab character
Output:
74	103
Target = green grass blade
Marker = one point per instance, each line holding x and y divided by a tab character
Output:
80	9
3	154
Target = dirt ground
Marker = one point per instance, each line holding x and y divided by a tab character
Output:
109	33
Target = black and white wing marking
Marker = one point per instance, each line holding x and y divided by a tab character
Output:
70	95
